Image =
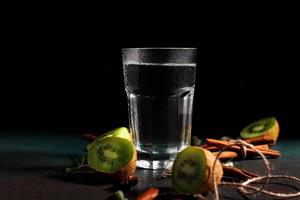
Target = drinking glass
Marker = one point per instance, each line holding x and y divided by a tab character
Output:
159	83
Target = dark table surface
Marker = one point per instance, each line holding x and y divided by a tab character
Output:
31	166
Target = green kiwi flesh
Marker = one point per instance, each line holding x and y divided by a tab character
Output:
189	170
110	154
259	128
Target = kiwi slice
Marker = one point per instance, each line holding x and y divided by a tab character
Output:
191	172
113	154
267	128
121	132
110	154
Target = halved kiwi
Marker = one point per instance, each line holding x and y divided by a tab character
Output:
267	128
191	172
113	154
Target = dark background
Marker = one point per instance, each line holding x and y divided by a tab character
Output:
64	72
61	75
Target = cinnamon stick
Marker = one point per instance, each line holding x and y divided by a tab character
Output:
262	146
212	148
150	194
205	145
89	136
227	155
265	139
238	173
266	152
216	148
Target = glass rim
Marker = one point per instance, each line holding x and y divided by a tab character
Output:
165	48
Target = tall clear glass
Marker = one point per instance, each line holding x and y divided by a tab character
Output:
159	83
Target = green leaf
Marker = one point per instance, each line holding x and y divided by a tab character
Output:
77	163
196	141
119	195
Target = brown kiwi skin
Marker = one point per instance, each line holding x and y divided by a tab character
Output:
208	185
126	171
273	133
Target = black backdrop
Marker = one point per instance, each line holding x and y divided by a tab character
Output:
66	75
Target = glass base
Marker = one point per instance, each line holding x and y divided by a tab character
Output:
153	165
155	161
